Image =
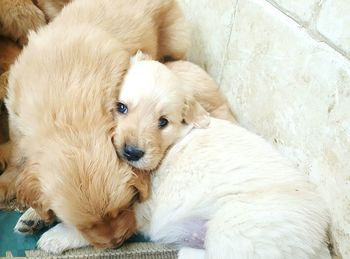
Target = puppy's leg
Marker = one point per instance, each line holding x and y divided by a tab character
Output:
7	183
15	165
173	34
29	222
191	253
61	238
28	192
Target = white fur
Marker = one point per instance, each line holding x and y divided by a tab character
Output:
22	223
254	203
191	253
131	92
61	238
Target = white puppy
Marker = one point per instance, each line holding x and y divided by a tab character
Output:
222	192
227	192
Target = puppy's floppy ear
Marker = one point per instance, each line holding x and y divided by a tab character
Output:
141	182
195	114
139	56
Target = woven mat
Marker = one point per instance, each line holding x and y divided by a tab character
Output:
18	245
127	251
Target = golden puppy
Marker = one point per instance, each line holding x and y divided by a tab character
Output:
62	91
18	17
145	125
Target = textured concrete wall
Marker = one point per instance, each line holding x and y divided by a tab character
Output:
285	67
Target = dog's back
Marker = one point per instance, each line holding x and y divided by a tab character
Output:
155	26
83	54
251	201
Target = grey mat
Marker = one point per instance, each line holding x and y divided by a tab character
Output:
127	251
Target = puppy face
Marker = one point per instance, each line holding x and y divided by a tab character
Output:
152	113
111	230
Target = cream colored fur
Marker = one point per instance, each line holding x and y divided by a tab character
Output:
62	90
52	8
17	19
220	192
227	192
184	84
203	88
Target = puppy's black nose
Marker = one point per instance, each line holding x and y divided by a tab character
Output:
132	153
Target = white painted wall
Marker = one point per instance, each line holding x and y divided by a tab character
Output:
285	67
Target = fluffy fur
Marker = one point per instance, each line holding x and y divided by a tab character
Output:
241	198
184	84
18	17
8	54
62	90
252	202
52	8
56	240
222	192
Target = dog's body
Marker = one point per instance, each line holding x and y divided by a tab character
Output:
62	90
17	18
220	189
228	192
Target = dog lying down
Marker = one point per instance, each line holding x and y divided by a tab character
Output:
198	84
220	191
61	94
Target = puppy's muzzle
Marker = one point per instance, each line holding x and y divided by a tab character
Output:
132	153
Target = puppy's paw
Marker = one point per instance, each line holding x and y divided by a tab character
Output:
191	253
61	238
29	222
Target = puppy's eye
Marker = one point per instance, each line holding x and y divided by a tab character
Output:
162	123
122	108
